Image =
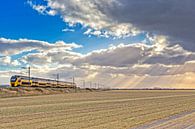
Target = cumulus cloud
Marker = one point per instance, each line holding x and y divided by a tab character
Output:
138	53
165	58
6	61
50	58
42	9
12	47
88	13
124	62
168	17
121	18
119	56
131	59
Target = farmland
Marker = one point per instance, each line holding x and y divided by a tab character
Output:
114	109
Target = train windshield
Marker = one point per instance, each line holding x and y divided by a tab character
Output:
13	78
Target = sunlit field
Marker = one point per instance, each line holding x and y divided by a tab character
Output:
32	91
116	109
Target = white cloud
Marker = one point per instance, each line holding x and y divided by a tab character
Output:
50	58
160	52
68	30
119	66
127	60
52	12
7	61
122	18
163	63
89	14
42	9
12	47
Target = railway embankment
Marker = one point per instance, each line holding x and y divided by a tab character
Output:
30	91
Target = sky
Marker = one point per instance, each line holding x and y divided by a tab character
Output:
115	43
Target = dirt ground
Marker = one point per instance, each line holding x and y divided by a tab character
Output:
115	109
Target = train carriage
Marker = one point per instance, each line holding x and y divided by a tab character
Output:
24	81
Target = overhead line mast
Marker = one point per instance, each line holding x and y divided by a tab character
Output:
29	75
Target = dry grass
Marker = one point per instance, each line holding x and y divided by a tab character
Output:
30	91
94	110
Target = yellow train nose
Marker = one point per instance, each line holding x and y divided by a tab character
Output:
13	84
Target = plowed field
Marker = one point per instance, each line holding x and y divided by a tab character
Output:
117	109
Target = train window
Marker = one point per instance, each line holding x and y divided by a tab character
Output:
26	83
13	78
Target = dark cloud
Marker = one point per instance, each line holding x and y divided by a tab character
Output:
121	18
118	56
128	55
169	17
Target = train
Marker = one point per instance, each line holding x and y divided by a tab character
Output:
24	81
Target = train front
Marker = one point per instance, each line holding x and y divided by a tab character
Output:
13	81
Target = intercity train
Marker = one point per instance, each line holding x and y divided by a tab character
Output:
24	81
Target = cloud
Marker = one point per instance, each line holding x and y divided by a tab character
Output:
50	58
118	65
167	17
118	56
161	52
68	30
159	59
166	57
42	9
135	65
12	47
7	61
88	13
122	18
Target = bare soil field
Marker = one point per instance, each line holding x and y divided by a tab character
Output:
115	109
